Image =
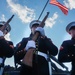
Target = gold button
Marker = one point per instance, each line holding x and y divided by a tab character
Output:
72	54
36	48
74	45
68	55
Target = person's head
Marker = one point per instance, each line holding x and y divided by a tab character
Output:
33	25
71	29
8	28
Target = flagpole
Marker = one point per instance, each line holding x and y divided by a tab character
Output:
43	9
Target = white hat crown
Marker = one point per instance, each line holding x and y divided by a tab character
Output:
34	22
8	28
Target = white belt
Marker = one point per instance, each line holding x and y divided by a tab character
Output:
42	54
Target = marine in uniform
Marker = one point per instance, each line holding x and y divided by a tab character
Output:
42	45
6	47
67	49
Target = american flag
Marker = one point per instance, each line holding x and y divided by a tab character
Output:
63	8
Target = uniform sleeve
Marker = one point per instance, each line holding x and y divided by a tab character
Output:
21	45
5	49
63	53
19	49
53	50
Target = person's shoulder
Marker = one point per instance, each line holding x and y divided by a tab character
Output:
48	38
10	42
67	41
25	38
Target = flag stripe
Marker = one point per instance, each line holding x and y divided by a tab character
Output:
62	7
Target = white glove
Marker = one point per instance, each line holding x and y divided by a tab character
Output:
1	33
30	44
41	30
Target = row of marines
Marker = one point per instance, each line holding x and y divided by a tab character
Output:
32	55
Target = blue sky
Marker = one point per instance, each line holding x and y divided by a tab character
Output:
27	10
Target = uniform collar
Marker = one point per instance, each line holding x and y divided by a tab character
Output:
73	38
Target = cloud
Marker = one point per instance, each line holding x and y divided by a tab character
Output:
51	21
7	37
2	18
70	4
27	15
24	13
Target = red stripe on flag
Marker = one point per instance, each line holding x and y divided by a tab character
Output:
62	7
